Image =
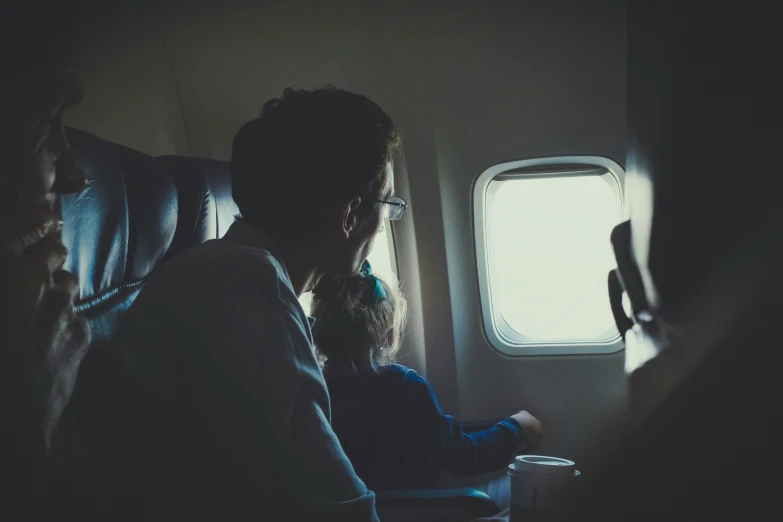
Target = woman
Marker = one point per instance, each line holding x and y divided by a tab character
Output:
387	416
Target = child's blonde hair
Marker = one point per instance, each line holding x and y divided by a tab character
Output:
352	331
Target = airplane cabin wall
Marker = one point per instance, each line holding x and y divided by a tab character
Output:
469	85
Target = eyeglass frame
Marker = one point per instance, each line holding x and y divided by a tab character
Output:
397	202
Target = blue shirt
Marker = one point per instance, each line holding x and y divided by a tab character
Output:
215	406
397	437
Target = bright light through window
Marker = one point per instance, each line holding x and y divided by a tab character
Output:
381	258
550	251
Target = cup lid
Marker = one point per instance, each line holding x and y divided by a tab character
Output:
542	464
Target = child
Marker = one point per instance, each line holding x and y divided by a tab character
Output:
385	415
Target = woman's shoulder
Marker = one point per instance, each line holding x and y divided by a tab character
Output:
395	370
401	381
400	373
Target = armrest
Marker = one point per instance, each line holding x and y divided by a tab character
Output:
430	504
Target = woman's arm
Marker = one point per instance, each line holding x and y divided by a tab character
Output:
449	446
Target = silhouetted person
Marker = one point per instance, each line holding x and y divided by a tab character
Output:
215	405
42	339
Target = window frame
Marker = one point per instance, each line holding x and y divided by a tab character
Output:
498	332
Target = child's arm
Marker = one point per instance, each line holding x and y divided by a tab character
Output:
450	447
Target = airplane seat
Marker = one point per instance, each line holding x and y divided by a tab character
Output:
204	188
136	212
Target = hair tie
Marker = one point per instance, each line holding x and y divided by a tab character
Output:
373	289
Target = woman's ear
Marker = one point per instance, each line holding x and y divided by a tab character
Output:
349	217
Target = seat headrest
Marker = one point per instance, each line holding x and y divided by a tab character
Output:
627	272
206	204
121	226
136	212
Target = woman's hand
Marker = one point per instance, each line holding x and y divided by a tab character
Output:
532	428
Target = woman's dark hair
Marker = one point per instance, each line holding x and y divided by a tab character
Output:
308	151
351	334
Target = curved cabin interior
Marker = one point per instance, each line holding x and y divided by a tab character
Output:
530	131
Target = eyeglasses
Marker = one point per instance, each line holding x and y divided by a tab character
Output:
396	207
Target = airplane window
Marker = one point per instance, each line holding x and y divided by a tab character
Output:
554	255
547	257
381	258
